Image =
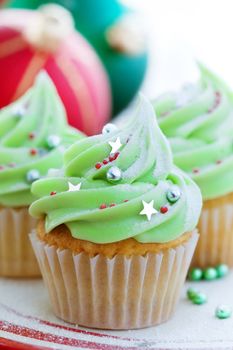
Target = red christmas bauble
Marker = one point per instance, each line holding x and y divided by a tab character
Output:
29	44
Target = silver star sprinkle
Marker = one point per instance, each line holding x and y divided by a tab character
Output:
73	188
116	145
148	209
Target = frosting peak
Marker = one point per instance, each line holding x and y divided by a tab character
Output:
124	179
199	123
33	134
142	152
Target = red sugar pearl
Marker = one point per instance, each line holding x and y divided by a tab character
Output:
196	171
1	167
112	205
53	193
111	158
116	155
33	152
103	206
163	210
31	135
105	161
98	165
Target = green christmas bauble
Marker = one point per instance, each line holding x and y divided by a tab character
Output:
113	31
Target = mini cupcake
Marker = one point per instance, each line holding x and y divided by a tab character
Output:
33	133
117	232
199	123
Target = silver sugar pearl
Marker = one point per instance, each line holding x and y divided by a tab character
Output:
114	174
173	194
19	111
109	128
32	175
53	141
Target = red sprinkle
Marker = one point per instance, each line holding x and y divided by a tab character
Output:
126	200
31	135
111	158
196	171
164	114
11	165
53	193
219	161
163	210
103	206
105	161
98	165
116	155
112	205
216	102
33	152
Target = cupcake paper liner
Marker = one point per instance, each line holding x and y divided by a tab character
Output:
118	293
17	258
215	245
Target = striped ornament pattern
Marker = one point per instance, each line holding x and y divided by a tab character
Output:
78	74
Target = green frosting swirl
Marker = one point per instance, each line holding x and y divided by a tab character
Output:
33	134
199	124
148	175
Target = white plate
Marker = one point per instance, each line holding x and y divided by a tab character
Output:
27	321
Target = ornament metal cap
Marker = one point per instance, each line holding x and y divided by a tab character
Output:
127	36
50	25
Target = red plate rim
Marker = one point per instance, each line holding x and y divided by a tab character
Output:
9	344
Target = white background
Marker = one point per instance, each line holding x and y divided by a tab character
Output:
182	31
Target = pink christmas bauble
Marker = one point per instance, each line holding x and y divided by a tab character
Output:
30	42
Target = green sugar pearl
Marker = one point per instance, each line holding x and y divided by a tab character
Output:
223	311
195	274
191	293
210	274
222	270
199	299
